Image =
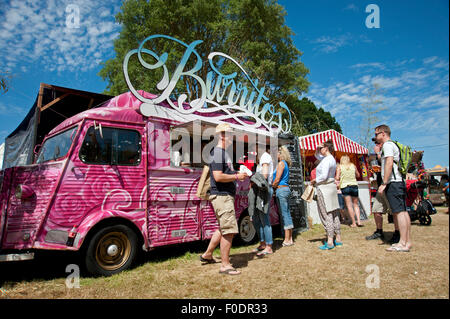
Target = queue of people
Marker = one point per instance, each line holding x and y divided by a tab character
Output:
329	179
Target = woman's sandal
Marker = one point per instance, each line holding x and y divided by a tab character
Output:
258	249
263	253
326	247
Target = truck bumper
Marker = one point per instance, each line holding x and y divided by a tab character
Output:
16	257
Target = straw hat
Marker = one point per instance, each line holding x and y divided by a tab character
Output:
223	127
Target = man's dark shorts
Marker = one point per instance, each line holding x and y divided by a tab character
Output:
396	195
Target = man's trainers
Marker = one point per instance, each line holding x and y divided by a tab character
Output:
375	235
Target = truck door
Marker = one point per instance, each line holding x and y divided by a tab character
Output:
173	214
106	172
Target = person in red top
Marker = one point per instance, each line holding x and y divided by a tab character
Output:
411	192
313	172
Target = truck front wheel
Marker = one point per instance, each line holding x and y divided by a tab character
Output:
111	250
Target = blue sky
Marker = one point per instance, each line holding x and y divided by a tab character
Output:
407	57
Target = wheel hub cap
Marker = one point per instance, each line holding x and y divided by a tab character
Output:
112	250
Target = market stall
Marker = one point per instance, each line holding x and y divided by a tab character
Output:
358	155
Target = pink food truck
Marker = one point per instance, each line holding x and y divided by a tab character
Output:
107	182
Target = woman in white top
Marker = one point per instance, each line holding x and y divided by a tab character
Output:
327	199
261	220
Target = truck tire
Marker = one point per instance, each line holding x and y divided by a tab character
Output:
111	250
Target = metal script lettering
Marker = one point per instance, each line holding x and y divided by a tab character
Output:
241	104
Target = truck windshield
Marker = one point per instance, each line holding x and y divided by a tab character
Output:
56	146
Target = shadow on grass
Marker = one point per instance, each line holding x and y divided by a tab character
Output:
50	265
47	265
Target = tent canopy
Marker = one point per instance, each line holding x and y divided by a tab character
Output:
341	143
53	105
438	170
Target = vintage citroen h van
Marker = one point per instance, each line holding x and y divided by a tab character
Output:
106	182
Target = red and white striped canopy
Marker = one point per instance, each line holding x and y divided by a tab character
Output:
340	142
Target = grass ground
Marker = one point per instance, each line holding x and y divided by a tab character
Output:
296	272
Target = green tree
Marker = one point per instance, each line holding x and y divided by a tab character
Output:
309	119
251	31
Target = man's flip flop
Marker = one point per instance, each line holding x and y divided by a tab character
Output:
258	249
206	260
229	272
286	245
398	249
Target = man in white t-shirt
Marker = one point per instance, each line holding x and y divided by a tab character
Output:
394	187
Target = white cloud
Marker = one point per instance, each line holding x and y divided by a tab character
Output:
11	110
415	100
435	100
351	7
36	32
329	44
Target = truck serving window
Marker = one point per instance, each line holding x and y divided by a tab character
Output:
192	142
111	146
57	146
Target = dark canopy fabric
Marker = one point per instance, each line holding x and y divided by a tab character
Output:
19	144
53	105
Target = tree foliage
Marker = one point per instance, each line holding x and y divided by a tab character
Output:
5	81
253	32
309	119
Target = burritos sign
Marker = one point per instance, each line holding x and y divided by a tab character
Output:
219	95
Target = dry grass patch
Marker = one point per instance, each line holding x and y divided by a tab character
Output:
299	271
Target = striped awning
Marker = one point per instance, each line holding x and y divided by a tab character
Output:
341	143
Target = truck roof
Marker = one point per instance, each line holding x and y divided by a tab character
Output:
122	108
126	108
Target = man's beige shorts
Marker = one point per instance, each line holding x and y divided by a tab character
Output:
381	204
224	209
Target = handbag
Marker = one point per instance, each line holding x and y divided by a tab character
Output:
204	184
308	194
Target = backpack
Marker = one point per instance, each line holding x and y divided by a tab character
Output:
405	158
204	184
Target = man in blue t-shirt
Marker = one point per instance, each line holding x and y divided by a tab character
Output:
223	190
